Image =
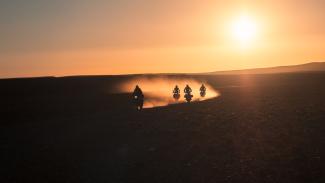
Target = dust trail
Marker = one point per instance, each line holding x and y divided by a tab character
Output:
159	91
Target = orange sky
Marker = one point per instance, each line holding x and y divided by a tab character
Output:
69	37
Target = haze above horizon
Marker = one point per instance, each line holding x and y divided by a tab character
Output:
70	37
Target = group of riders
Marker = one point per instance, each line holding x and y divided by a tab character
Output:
188	92
138	96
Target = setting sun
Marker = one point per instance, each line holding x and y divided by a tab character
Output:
244	29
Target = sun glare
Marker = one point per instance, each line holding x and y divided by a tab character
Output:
244	30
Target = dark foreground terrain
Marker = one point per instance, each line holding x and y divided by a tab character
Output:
263	128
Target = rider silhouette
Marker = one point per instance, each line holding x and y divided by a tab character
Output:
176	90
138	97
187	90
138	92
188	96
203	89
176	93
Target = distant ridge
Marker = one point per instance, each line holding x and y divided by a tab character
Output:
308	67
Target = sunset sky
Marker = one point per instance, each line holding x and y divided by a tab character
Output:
83	37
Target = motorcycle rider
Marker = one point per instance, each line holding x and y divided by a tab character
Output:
203	89
176	93
188	96
138	97
137	93
176	90
187	90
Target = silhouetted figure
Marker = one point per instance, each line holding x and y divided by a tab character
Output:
176	93
187	90
188	93
203	90
138	97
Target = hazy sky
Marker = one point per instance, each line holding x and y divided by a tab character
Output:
78	37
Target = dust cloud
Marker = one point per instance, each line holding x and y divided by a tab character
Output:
159	91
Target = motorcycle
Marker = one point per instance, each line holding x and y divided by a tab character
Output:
188	97
138	102
176	96
203	93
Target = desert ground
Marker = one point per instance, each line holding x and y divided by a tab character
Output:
262	128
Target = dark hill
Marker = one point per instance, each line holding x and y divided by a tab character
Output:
309	67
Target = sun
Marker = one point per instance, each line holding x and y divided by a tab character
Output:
244	30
